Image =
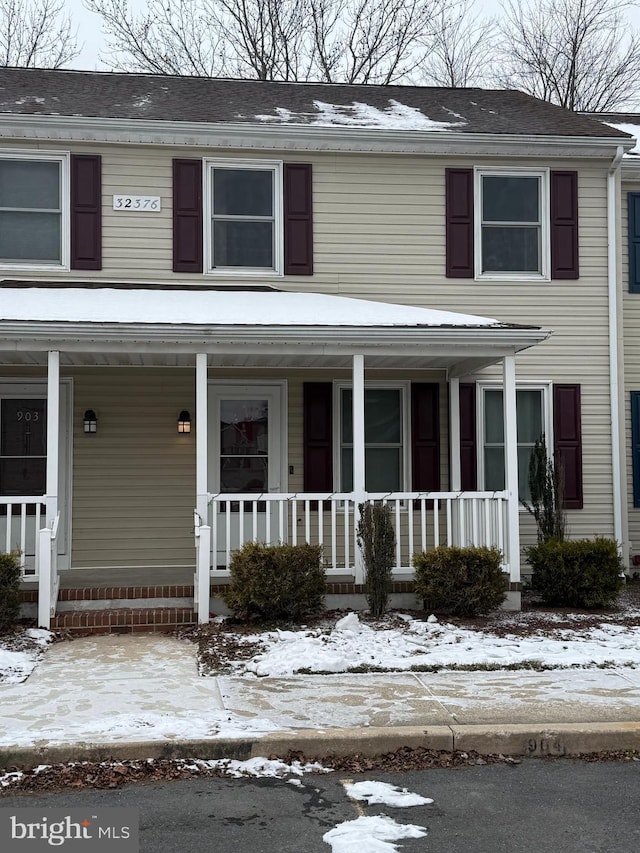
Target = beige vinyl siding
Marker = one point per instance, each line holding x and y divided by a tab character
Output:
379	233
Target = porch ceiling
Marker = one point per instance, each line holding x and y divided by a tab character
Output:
144	327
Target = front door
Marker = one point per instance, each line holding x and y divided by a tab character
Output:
245	456
23	466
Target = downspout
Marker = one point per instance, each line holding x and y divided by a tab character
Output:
612	275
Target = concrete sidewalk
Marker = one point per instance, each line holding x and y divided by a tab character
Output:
140	696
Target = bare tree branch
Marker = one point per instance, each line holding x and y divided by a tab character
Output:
581	54
461	49
36	33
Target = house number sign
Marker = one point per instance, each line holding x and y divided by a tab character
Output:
147	203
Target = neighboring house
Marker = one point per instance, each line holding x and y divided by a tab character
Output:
629	339
304	295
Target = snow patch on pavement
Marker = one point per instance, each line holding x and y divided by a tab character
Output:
370	835
385	794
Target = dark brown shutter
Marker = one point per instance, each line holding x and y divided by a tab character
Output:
425	436
564	225
187	216
468	447
459	217
318	436
567	435
86	212
298	219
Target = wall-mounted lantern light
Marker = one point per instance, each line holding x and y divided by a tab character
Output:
90	421
184	422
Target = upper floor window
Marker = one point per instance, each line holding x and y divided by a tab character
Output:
33	210
245	225
512	235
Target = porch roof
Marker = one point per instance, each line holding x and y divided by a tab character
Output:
166	326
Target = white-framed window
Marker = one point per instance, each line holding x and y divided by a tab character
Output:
34	210
533	414
511	224
387	441
243	216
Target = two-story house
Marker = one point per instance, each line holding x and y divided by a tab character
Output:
238	309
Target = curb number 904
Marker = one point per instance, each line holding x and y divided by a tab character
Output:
150	203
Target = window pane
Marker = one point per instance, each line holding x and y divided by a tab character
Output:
510	249
383	469
23	427
25	476
529	406
30	183
493	468
243	244
244	474
382	421
382	416
243	192
244	426
493	420
510	198
30	237
524	455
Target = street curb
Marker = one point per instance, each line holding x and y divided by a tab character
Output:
528	740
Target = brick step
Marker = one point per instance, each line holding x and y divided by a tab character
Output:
124	620
102	593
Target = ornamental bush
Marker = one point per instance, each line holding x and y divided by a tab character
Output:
276	582
9	590
460	581
580	573
377	539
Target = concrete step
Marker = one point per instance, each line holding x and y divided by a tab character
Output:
125	620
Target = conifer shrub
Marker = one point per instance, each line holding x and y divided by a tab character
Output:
580	573
376	537
9	590
460	581
276	582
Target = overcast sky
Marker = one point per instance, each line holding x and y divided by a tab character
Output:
91	37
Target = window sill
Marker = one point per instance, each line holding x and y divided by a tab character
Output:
33	267
231	272
516	276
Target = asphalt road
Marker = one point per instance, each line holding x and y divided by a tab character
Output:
561	806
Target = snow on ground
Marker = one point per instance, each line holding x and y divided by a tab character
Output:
351	645
382	793
370	835
20	652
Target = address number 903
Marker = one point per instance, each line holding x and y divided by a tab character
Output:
150	203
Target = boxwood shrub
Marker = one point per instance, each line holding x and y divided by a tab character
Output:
580	573
276	582
460	581
9	590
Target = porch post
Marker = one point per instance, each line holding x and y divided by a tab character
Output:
454	434
358	453
202	490
511	466
53	434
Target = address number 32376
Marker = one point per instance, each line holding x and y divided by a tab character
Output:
147	203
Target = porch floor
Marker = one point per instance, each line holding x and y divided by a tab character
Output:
126	576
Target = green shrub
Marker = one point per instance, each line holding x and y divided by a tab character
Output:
377	539
580	573
546	485
276	582
460	581
9	590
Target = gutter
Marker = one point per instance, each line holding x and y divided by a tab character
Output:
612	277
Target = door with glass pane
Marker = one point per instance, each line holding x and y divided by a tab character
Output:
244	457
23	467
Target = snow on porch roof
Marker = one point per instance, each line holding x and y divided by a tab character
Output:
220	308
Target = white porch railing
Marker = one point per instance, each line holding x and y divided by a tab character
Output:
21	519
422	520
48	574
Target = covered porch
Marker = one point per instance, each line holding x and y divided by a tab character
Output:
223	340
